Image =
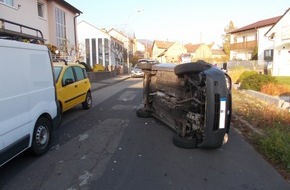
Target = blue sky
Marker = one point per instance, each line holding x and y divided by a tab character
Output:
186	21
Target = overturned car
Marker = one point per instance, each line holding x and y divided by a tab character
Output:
194	99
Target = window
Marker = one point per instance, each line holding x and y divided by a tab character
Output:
68	75
106	46
94	51
268	55
88	52
40	9
60	29
79	73
8	2
100	50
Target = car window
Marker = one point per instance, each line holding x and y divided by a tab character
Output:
57	71
68	74
79	73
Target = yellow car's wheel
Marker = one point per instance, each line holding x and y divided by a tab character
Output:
87	104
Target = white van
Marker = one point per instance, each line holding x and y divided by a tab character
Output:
28	103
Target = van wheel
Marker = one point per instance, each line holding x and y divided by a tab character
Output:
183	142
87	104
41	136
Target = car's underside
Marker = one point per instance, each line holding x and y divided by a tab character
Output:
193	100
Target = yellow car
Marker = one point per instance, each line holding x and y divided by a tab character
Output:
73	85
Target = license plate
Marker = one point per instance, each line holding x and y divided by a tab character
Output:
222	113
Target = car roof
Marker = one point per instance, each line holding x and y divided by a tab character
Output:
62	64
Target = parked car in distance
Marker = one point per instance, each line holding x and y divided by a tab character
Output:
28	104
72	85
136	72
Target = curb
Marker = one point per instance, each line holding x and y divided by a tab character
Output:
247	124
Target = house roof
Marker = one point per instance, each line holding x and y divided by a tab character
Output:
258	24
191	48
163	44
113	29
277	21
69	6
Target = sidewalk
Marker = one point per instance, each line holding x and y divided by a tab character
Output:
107	82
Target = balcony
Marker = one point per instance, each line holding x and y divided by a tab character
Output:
249	45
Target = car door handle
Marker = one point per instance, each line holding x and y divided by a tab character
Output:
76	86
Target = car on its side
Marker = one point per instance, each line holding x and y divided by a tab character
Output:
194	99
72	85
136	72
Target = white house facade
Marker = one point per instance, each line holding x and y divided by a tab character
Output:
56	19
279	53
98	47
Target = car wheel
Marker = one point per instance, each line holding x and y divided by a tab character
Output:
183	142
145	66
143	113
87	104
41	136
194	67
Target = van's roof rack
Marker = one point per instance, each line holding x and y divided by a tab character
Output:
20	32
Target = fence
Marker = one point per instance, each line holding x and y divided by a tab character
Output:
259	66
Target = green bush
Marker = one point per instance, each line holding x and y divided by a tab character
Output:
256	81
246	74
275	144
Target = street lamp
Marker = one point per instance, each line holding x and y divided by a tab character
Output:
128	40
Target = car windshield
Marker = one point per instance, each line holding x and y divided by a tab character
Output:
57	70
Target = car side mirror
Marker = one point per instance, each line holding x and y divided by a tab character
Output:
68	81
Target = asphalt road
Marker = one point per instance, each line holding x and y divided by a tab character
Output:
110	148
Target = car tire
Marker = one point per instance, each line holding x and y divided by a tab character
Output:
183	142
145	66
87	104
194	67
41	136
143	113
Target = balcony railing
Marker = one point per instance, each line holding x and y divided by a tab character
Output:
250	45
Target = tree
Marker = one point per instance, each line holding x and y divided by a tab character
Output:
227	37
255	53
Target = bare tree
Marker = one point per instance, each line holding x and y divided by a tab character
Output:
227	37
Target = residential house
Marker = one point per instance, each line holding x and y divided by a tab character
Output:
129	43
211	53
140	49
167	52
56	19
191	49
278	54
96	46
218	54
250	39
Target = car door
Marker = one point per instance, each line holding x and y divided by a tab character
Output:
69	90
82	83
